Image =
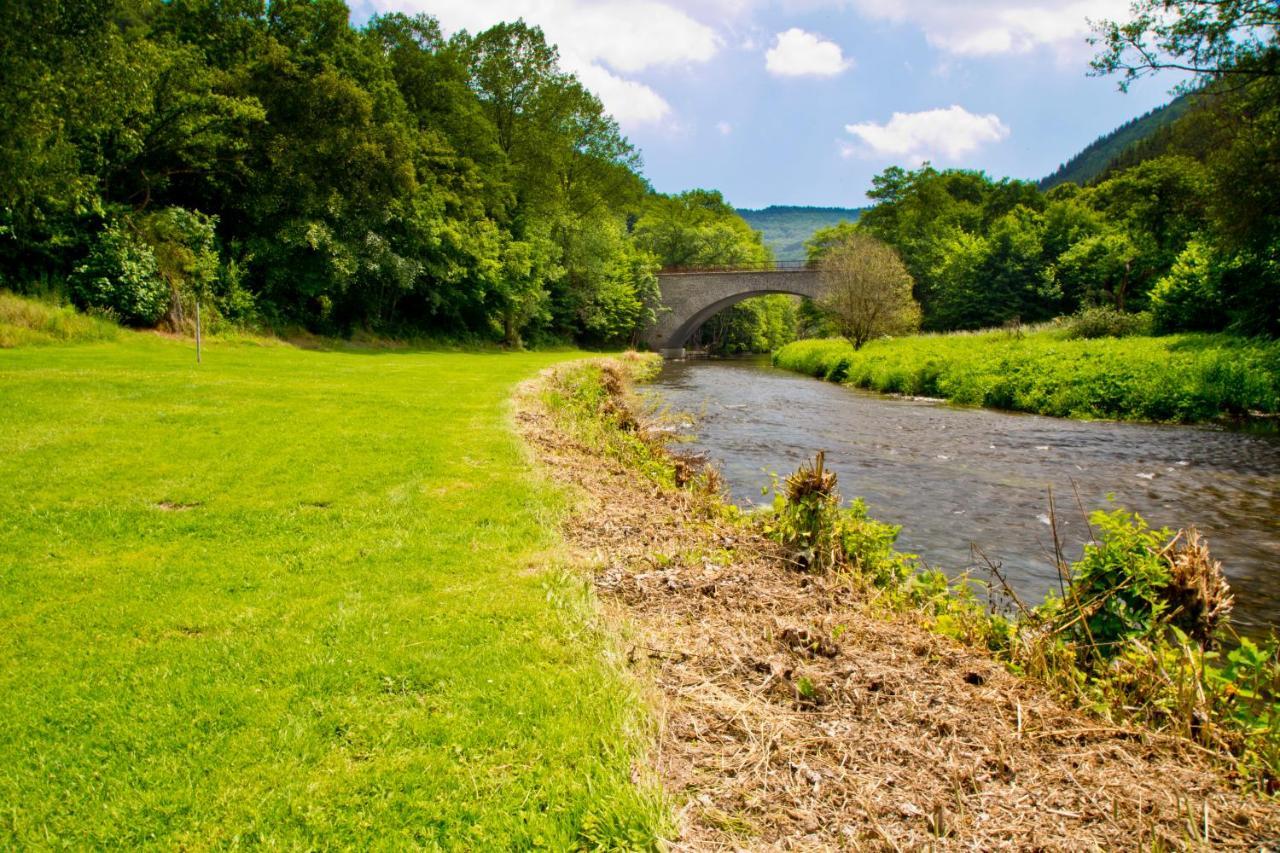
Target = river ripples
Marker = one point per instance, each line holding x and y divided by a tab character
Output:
955	477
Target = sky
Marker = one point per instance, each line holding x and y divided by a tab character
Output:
803	101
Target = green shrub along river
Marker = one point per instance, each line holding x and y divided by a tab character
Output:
1178	378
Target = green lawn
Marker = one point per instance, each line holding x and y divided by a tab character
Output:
297	598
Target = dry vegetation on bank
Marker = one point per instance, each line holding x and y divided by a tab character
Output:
796	714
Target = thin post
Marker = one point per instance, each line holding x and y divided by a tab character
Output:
197	331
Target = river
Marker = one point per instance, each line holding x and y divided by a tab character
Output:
956	477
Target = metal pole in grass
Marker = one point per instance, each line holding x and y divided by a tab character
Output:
197	330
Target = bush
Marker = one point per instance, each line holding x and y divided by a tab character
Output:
121	276
1106	322
1189	297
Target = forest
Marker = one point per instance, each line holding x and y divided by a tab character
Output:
282	168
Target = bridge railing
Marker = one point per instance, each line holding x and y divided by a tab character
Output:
768	266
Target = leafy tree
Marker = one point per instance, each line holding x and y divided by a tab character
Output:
825	239
121	277
1232	49
1189	297
1212	39
867	290
698	228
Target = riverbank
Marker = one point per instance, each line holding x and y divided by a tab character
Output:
1177	379
796	712
298	599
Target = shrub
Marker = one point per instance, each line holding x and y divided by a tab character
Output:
121	276
1189	297
1106	322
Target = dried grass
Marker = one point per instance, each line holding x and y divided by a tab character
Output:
796	716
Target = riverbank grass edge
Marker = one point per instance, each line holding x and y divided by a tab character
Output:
298	599
1184	378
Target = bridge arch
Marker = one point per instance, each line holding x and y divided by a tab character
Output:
690	298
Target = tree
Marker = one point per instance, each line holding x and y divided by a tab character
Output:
1212	39
867	290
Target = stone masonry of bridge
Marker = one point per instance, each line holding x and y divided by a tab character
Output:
691	298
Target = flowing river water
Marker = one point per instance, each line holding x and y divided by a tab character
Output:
956	477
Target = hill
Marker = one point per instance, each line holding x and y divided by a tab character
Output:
1095	159
786	228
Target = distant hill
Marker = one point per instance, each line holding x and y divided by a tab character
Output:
1094	160
786	228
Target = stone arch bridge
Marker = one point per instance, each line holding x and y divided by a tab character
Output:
690	297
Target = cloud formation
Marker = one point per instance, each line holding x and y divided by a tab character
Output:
941	134
796	53
993	27
599	41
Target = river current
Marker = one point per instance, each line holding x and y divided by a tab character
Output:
957	477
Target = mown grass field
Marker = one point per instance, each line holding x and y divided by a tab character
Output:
293	598
1177	378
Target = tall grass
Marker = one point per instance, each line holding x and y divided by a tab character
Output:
1178	378
27	322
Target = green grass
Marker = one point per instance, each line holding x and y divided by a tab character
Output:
1178	378
299	599
31	322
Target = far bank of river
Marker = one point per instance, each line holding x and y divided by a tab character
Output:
956	477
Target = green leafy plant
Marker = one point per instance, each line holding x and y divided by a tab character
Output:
121	275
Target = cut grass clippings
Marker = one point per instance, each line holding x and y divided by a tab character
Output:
295	599
1179	378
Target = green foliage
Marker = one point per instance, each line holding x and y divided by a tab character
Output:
983	252
698	228
1181	378
380	177
760	324
1119	583
1106	322
121	276
1189	297
26	322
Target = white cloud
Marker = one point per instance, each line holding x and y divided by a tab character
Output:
724	127
598	41
796	53
946	134
993	27
630	102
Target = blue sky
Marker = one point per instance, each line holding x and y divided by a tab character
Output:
802	101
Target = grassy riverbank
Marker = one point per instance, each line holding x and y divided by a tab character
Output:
296	599
1178	378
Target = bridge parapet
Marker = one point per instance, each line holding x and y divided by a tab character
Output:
767	266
